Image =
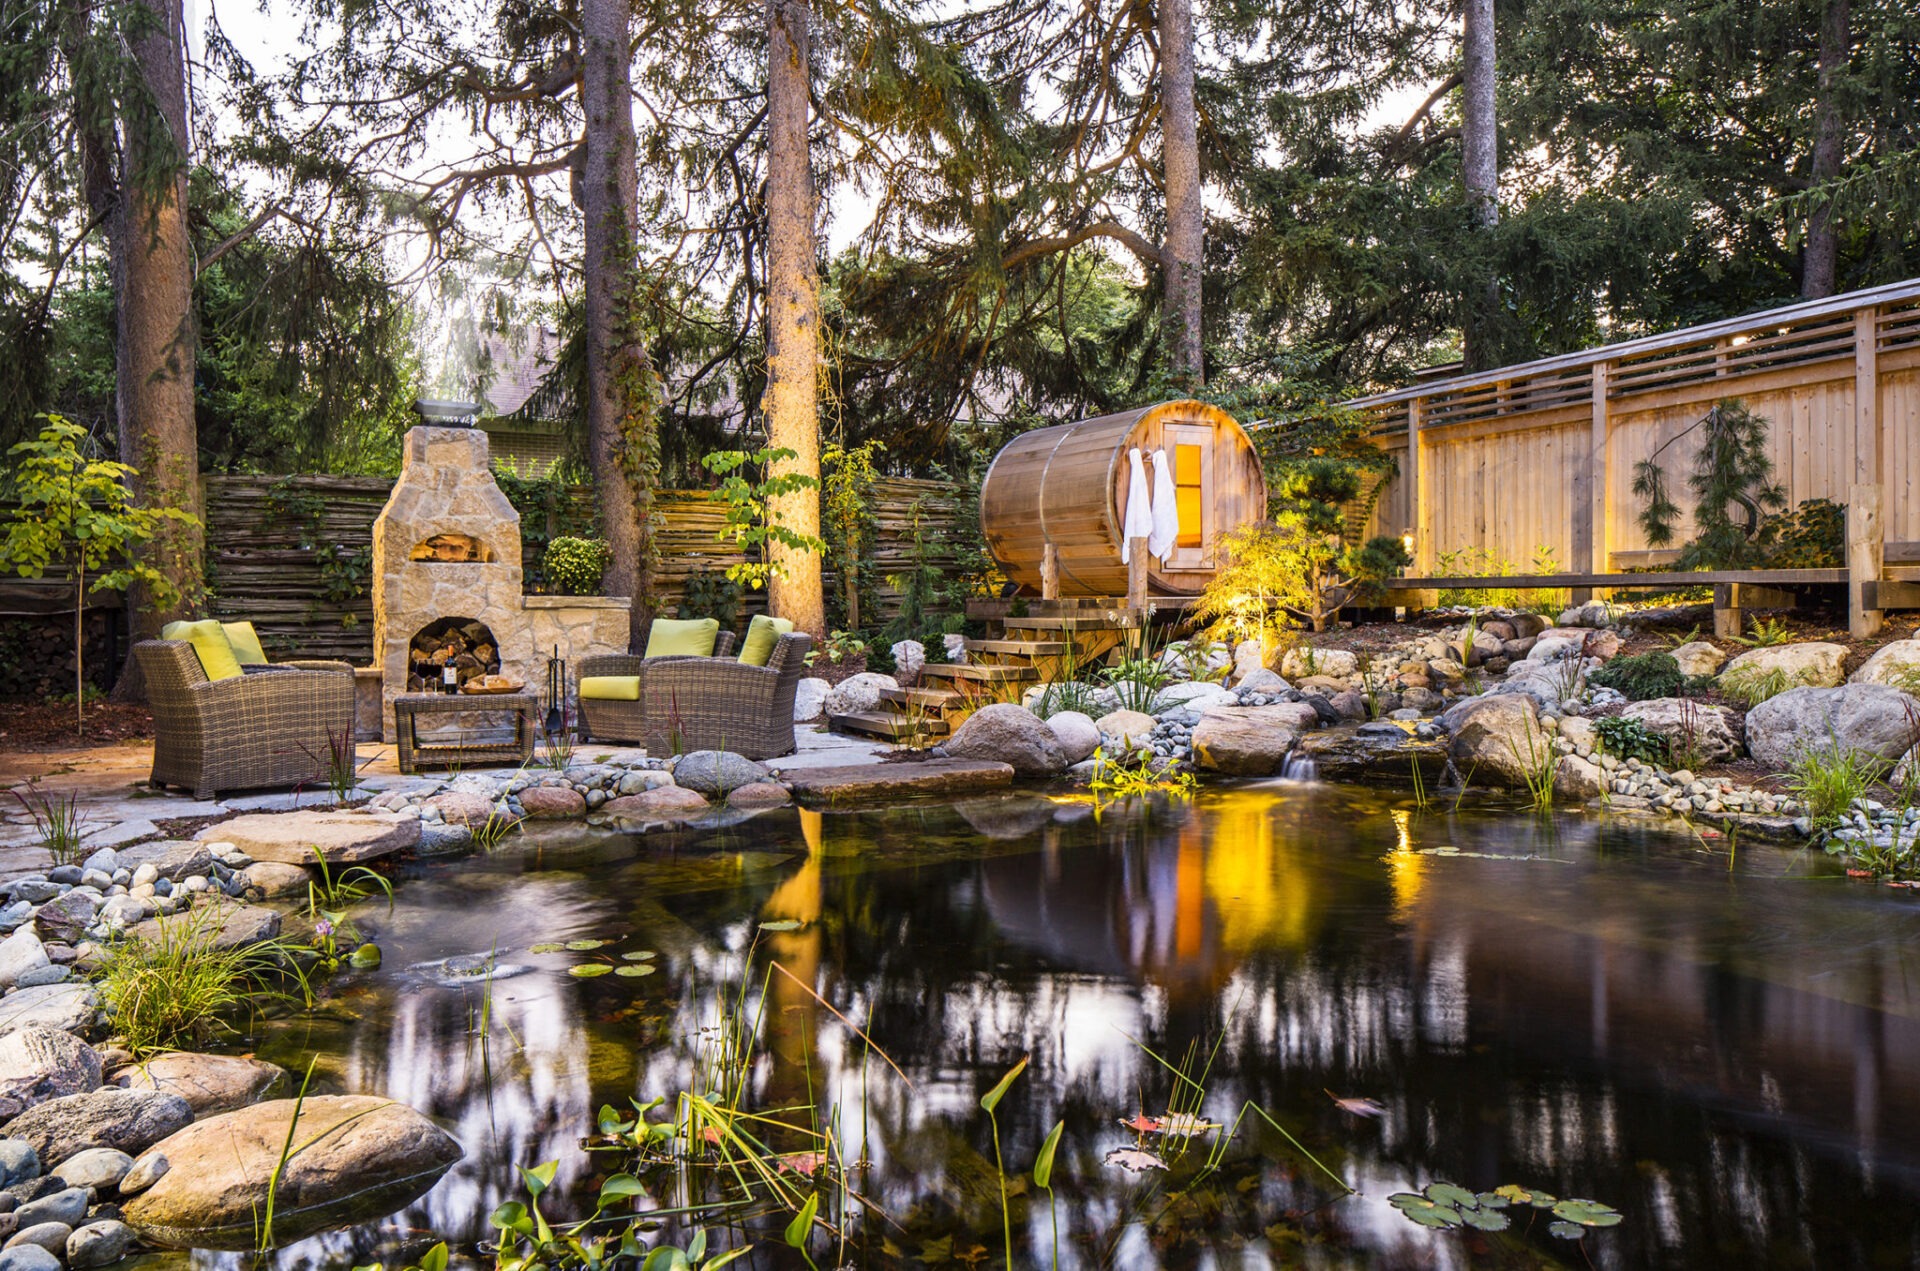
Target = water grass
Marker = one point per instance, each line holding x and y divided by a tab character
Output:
1828	779
181	988
58	823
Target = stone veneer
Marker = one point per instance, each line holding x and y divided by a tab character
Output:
446	487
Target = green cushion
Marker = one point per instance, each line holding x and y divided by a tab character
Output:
210	645
762	634
689	638
611	688
246	643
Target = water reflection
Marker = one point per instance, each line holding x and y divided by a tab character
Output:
1728	1055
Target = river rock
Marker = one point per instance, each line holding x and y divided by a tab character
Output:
69	1007
1303	660
66	918
277	878
1192	695
209	1083
28	1257
1263	680
857	693
1873	718
1128	726
552	803
1698	658
1496	738
171	859
715	772
130	1120
68	1205
1009	734
1716	734
20	953
51	1236
38	1063
19	1163
810	698
341	837
146	1171
664	803
1248	741
98	1244
1896	664
1814	664
759	794
1577	778
100	1168
360	1158
224	924
1078	735
1248	656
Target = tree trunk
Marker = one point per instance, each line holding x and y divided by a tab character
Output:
1819	259
1480	161
793	319
154	362
1186	218
616	358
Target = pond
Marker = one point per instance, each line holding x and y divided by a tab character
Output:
1720	1042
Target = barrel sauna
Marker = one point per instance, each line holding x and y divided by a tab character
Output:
1067	485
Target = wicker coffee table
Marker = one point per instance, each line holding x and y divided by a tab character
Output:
485	744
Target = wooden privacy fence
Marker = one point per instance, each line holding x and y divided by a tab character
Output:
1541	455
282	552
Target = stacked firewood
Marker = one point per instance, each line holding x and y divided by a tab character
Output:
468	647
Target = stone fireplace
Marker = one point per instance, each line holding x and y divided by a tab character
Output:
447	580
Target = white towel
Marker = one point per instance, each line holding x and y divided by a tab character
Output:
1138	519
1166	509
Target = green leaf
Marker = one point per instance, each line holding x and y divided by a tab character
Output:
435	1259
802	1225
1567	1230
666	1258
584	946
365	957
1588	1213
546	946
1451	1196
640	955
633	972
785	924
1043	1164
1424	1211
540	1177
511	1216
620	1186
991	1099
589	970
1484	1219
1492	1200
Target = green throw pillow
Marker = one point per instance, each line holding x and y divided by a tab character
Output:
762	634
611	688
246	643
210	645
689	638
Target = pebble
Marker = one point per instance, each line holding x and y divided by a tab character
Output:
146	1171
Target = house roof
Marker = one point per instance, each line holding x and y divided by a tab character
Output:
519	372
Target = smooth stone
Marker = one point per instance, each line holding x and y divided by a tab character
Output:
641	780
209	1083
21	952
28	1257
1077	734
1496	738
1814	664
277	878
68	1007
666	803
66	918
38	1063
760	794
1249	741
51	1236
121	912
1128	726
341	837
45	975
130	1120
98	1244
69	1205
1009	734
714	773
853	783
171	859
360	1158
1698	658
100	1168
18	1163
552	803
146	1171
226	924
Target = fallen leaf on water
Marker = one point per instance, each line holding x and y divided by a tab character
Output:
1358	1106
1859	873
1135	1159
1141	1123
805	1163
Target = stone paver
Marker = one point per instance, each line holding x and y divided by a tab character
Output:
887	780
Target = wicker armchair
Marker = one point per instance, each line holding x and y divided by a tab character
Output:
614	720
705	703
274	728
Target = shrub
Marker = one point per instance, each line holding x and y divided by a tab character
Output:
1812	536
1630	739
1750	686
574	566
1641	677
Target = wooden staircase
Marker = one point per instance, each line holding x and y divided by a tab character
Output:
1037	647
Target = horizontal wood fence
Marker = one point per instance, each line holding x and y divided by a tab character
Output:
282	551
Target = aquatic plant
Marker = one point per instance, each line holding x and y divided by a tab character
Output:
1445	1206
330	897
57	823
1827	779
1537	766
179	988
1137	772
990	1102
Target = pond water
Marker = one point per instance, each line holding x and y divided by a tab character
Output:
1725	1046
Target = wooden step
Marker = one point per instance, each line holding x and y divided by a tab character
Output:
933	699
978	674
888	726
1091	622
1019	648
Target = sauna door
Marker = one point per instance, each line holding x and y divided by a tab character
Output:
1190	454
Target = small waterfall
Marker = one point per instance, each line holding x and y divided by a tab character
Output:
1299	766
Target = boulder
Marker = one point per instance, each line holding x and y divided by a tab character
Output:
1249	656
1485	644
1496	738
1526	626
857	693
100	1168
908	657
1192	695
98	1244
461	807
1579	732
810	699
130	1120
1814	664
1896	664
663	803
1578	778
360	1158
172	859
1553	648
209	1083
759	794
69	1007
1698	658
1350	706
1078	735
38	1063
1128	726
1263	680
20	953
121	912
224	924
1249	741
1304	660
552	803
1013	735
1592	614
1517	648
714	773
341	837
276	878
1712	733
1872	718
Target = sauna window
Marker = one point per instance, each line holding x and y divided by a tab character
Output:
1187	468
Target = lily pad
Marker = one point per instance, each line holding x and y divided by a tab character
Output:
1567	1230
1484	1219
584	946
1588	1213
546	946
1450	1195
640	955
785	924
589	970
632	971
1518	1195
1424	1211
1491	1200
